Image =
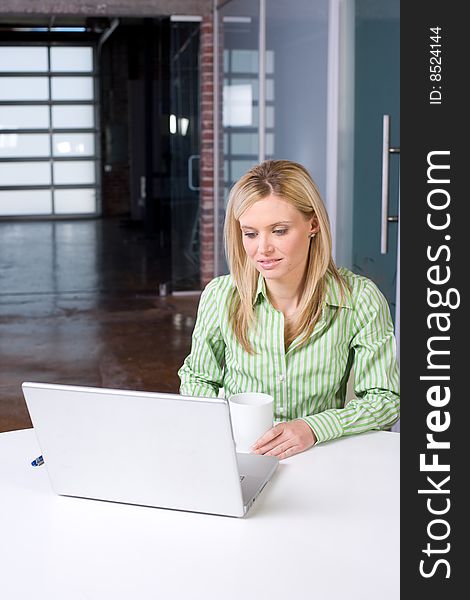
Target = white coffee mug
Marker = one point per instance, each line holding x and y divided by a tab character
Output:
252	415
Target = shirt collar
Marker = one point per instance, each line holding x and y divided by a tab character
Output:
332	295
260	290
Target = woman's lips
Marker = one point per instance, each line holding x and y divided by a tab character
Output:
269	263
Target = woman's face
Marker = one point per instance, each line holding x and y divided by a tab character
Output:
276	239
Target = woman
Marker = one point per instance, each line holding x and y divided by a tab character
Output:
288	322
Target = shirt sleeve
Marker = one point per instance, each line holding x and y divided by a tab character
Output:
376	376
202	371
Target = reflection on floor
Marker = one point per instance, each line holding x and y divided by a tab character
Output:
79	305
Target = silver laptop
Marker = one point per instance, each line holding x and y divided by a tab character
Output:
151	449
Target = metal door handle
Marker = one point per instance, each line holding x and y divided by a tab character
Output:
190	173
385	217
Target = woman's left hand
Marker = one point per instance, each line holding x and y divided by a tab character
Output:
285	439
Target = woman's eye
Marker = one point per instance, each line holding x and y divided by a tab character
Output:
249	234
280	231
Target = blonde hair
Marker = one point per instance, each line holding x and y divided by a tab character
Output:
292	183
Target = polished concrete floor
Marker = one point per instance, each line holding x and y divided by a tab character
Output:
79	305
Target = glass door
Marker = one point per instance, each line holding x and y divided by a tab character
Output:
296	84
275	63
239	82
184	151
377	93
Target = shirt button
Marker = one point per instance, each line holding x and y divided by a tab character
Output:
282	377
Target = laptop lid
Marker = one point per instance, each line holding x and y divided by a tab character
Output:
152	449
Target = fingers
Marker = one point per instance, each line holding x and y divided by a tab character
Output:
281	448
289	452
286	439
280	444
270	435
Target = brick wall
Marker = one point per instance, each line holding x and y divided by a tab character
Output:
206	197
207	237
115	184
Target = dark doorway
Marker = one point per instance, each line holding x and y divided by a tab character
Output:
163	125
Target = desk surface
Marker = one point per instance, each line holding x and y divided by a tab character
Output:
326	526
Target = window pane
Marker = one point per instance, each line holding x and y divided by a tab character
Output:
25	173
269	62
72	59
24	144
269	89
244	61
75	201
22	58
71	172
244	143
269	116
72	88
74	144
237	105
24	117
25	202
269	144
237	169
253	83
72	117
24	88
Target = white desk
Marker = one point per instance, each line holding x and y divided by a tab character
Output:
326	527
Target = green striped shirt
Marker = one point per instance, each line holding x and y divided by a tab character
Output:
307	382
